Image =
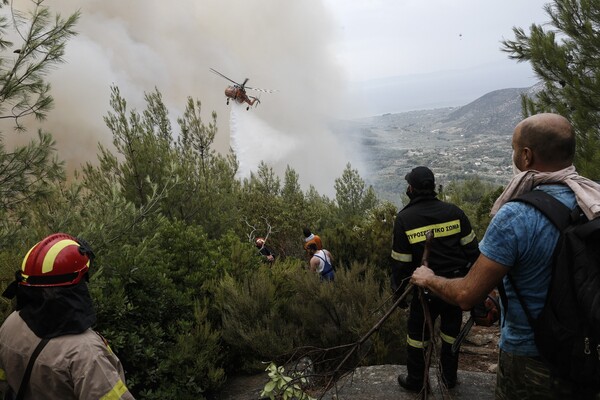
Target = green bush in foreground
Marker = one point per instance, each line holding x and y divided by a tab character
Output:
269	315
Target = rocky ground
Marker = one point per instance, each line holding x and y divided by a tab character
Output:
479	352
477	367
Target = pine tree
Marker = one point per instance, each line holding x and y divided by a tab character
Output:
28	173
566	57
23	65
352	194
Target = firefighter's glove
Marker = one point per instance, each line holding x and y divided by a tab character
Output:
486	313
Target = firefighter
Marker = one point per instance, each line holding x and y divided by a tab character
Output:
50	332
453	248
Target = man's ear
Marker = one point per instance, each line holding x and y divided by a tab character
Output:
528	157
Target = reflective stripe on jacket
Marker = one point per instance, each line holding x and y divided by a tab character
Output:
454	244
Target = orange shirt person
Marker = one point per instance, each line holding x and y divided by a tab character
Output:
309	238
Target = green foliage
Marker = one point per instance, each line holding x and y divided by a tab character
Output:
43	36
482	214
144	142
254	323
269	314
294	215
151	308
28	175
566	57
281	211
352	195
282	386
475	197
194	364
367	239
208	182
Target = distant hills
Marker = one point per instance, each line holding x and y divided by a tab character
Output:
495	112
455	142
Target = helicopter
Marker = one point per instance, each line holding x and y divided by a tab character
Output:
237	92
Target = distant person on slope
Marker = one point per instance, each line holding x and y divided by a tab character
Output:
321	262
309	238
264	250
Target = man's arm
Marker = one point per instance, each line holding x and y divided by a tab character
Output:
465	292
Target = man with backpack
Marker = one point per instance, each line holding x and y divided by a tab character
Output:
517	255
452	249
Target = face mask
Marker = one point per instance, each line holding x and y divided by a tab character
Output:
515	169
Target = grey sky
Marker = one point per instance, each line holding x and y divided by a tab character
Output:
413	54
387	38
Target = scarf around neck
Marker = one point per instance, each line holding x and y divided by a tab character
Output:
587	192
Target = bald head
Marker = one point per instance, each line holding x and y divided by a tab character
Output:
545	142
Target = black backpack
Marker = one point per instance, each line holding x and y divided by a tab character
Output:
567	331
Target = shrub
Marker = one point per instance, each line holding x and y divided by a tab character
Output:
151	305
275	313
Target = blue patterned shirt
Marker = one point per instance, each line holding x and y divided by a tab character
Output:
521	238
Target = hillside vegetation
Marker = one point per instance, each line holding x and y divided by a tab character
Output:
181	292
458	143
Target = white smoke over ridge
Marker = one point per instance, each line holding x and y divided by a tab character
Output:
140	45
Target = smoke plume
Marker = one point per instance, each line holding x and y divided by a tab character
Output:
140	45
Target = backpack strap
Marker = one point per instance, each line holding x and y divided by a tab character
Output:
521	300
560	216
27	375
553	209
327	264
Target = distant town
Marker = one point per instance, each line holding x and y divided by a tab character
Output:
457	143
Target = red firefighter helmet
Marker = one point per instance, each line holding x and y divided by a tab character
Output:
57	260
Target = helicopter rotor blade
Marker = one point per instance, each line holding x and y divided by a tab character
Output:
223	76
261	90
